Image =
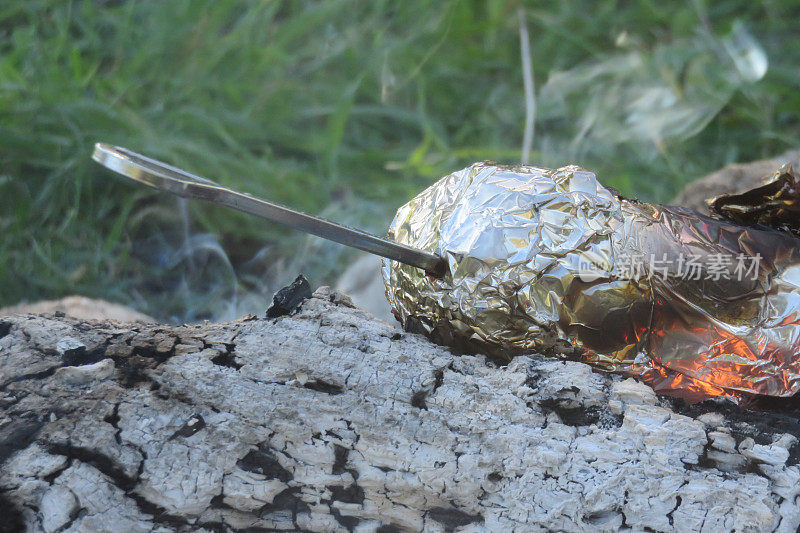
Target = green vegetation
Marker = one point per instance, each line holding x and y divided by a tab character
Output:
346	109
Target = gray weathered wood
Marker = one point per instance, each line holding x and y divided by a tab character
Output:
331	420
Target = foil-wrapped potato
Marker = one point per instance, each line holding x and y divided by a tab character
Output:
550	261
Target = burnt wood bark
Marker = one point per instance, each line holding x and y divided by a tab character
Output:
733	178
330	420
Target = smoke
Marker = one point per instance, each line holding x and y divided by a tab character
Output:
648	98
196	279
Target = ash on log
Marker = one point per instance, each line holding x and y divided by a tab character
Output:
330	420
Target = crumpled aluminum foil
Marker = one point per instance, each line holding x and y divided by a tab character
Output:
543	261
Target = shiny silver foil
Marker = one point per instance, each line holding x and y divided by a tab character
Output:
542	261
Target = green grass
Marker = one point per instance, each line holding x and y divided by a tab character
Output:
345	109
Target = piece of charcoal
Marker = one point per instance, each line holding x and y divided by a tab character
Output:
288	299
192	426
72	351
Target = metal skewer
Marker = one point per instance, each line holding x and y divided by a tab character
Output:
176	181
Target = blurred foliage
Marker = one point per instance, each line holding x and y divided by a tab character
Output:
346	109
